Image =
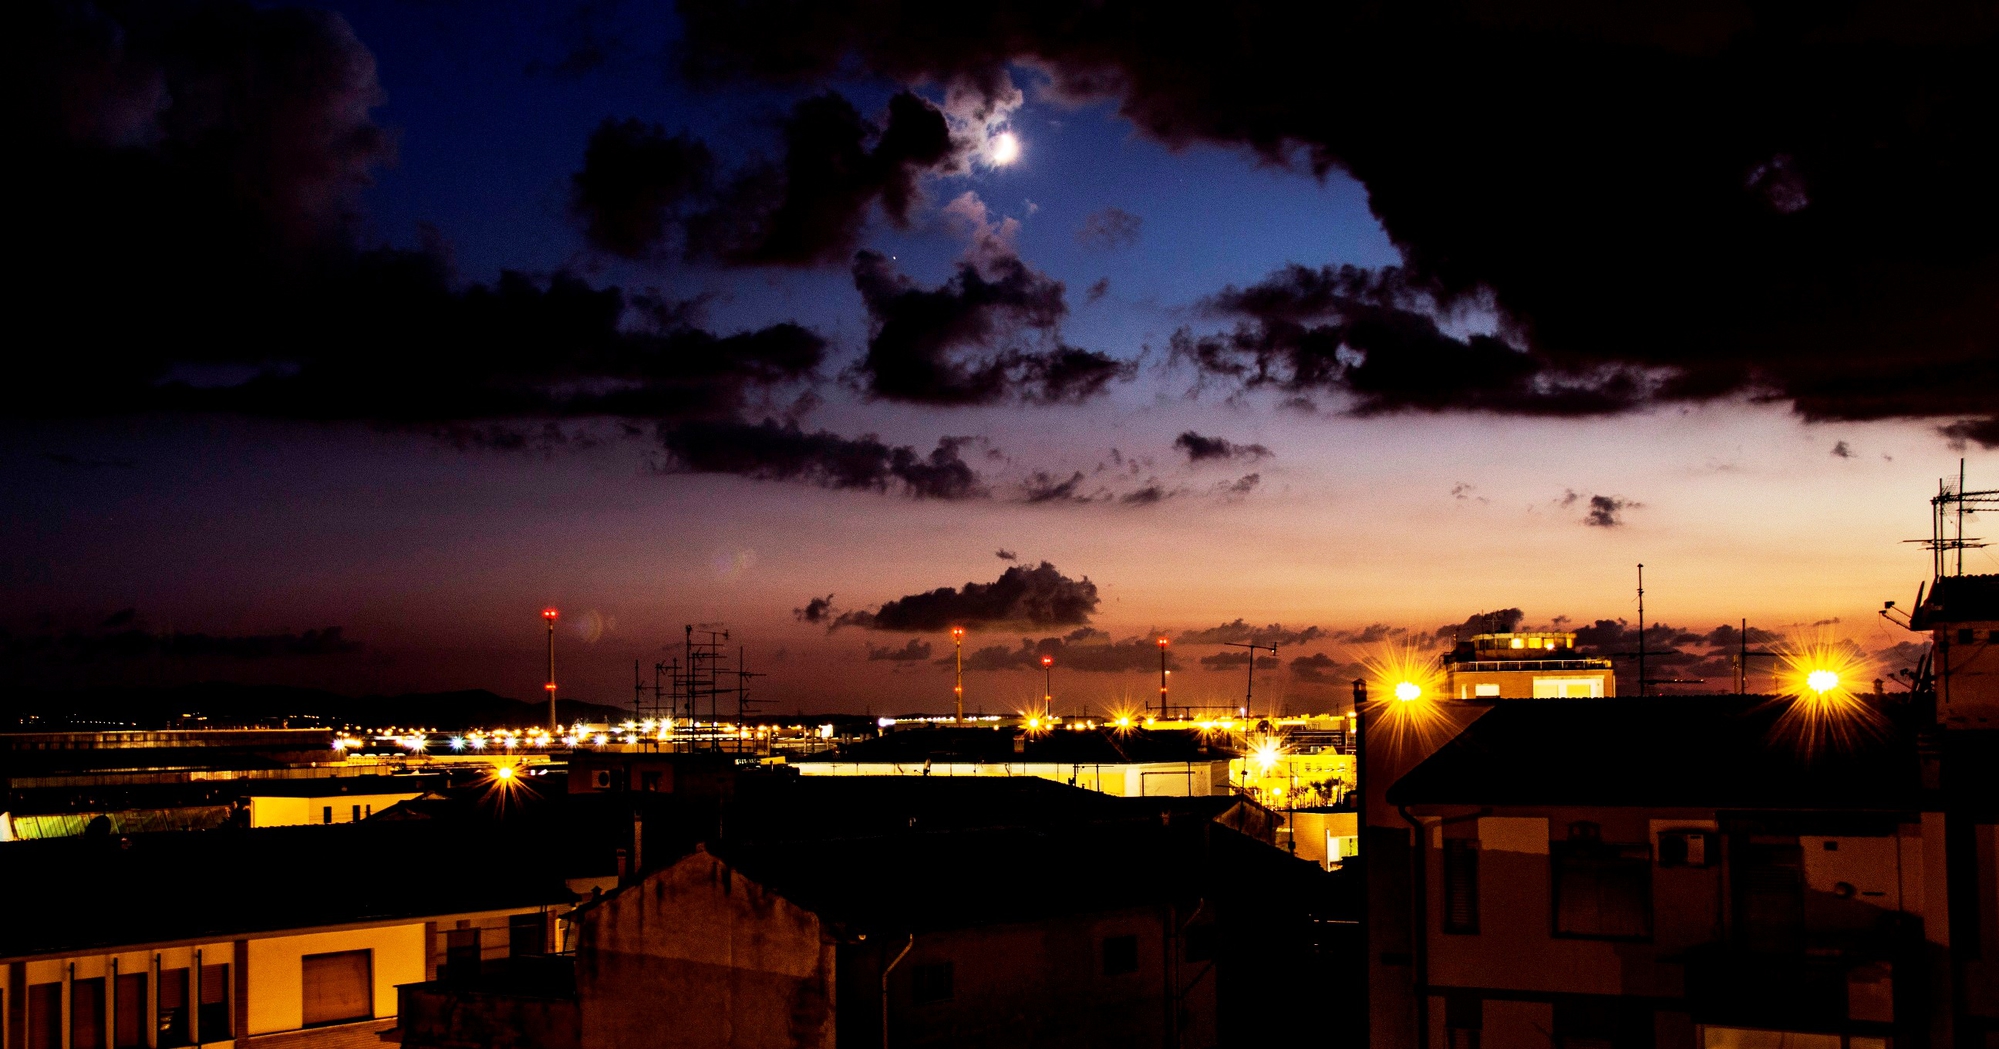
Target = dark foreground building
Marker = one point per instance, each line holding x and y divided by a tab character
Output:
964	913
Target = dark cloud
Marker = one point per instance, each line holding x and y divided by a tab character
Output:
1097	289
1236	660
642	192
1841	450
1089	651
1145	496
959	343
1368	334
916	651
816	610
1321	669
1504	621
1749	202
1605	511
1038	596
1273	634
1243	485
635	183
1005	554
1202	449
1373	633
1042	487
774	451
1109	228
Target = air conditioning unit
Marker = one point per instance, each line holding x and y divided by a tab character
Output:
1688	848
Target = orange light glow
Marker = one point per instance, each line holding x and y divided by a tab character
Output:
549	614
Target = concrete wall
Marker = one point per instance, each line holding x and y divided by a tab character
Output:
1968	689
697	955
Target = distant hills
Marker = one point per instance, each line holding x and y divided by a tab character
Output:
226	705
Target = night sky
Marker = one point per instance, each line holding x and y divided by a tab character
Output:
346	338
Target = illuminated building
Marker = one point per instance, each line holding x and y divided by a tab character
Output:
1539	664
1134	763
298	934
1961	615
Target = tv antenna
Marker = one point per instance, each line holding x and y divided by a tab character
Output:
1948	508
1249	690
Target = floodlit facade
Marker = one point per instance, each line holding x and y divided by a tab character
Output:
1539	664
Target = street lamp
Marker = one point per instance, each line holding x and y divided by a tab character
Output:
550	614
1162	679
958	686
1047	684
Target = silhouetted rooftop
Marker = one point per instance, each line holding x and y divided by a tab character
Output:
1959	599
1720	751
97	891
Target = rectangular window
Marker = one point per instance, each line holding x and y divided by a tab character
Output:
86	1013
931	982
1484	691
357	813
214	1021
45	1016
1602	890
1769	880
1590	1022
339	987
128	1025
461	954
1461	885
175	1027
525	935
1464	1019
326	815
1120	955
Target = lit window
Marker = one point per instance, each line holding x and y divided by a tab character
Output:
1519	643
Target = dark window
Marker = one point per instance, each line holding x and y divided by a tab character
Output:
326	814
461	954
1202	941
45	1016
339	988
1464	1018
1120	955
128	1026
1601	1023
357	813
86	1013
525	935
1964	635
214	1021
1602	890
1686	848
1460	885
931	982
175	1028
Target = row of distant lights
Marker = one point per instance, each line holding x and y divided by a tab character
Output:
630	732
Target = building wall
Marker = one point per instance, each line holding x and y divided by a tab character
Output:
697	955
292	812
277	977
1968	686
266	977
1515	959
1532	684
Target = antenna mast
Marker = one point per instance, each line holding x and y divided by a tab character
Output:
1249	691
1641	631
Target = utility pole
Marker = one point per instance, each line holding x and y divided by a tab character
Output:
1641	631
1249	692
958	685
1047	685
1163	714
550	614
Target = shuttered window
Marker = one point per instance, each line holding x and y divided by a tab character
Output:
128	1026
1461	885
86	1013
339	988
526	934
45	1016
214	1018
174	1026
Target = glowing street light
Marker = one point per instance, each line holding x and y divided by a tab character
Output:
1408	691
958	682
550	614
1822	681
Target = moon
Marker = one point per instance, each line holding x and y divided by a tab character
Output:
1006	148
